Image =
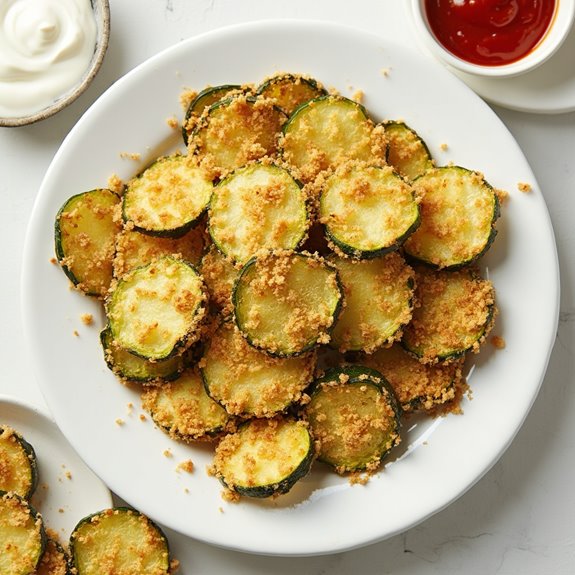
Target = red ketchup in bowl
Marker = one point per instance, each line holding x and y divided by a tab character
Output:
490	32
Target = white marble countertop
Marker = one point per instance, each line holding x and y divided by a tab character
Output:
520	517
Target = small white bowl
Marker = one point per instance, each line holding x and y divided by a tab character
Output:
558	31
101	10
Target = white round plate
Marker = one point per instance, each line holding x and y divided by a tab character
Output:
67	489
441	458
549	89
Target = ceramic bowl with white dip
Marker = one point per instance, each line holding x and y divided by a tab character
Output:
50	51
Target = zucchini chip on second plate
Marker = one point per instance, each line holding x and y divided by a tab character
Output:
18	464
119	540
22	536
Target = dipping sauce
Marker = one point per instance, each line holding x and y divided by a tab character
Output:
490	32
46	47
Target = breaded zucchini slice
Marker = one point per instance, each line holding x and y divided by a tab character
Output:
327	131
18	463
130	367
407	152
455	312
259	206
22	536
156	310
55	560
417	386
354	415
235	131
458	213
219	274
135	249
202	101
288	91
367	211
184	410
119	540
286	303
168	198
248	382
265	457
378	296
85	231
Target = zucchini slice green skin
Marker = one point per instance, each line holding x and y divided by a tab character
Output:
289	91
458	214
327	131
343	404
22	536
155	311
379	296
257	385
282	448
123	540
20	465
259	206
455	313
168	198
235	131
407	152
357	205
184	410
201	102
84	233
287	303
131	367
419	387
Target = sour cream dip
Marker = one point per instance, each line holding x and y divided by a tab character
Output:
46	46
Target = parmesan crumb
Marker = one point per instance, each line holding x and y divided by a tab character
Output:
385	72
131	156
498	342
53	261
120	421
115	183
524	187
87	318
443	147
143	417
168	453
187	466
173	123
76	334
